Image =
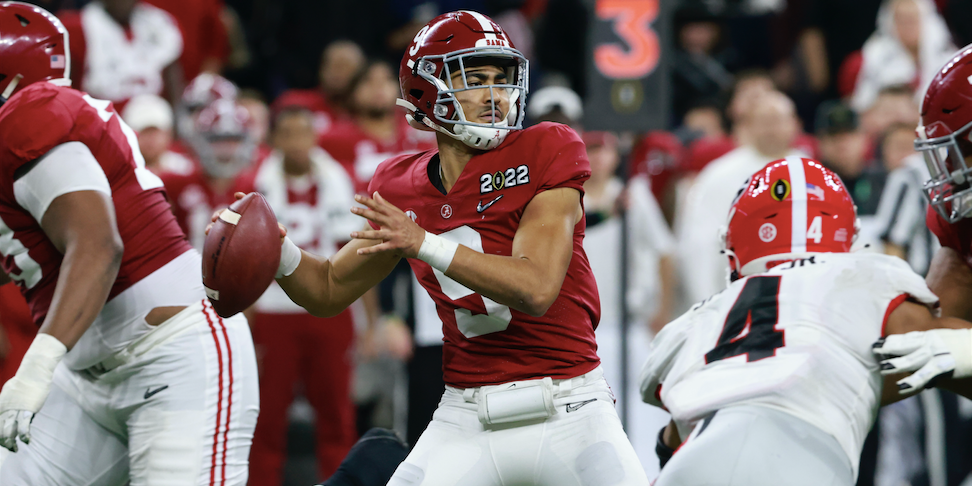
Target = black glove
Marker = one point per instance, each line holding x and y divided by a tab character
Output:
662	450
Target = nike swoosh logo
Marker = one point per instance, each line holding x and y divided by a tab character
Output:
149	393
480	208
573	407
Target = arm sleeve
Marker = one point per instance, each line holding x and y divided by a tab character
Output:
568	167
661	358
69	167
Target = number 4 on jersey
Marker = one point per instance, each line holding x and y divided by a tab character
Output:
750	327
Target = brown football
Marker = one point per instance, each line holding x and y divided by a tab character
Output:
241	255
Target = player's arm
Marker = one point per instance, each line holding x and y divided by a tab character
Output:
937	349
69	194
529	280
950	278
327	286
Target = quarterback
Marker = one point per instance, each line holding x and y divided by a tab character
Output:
132	378
773	381
945	139
492	225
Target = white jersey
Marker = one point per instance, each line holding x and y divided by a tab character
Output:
316	209
796	338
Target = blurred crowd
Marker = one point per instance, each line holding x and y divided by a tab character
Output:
296	99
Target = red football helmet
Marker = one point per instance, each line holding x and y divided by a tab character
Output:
222	138
792	208
447	45
945	137
33	47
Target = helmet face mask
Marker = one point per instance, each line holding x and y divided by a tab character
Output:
949	190
434	77
945	137
222	140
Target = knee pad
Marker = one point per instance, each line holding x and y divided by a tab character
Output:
372	460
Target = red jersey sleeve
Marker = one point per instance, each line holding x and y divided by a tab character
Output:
42	122
567	165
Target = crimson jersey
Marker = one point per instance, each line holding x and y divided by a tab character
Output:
41	117
957	236
485	342
360	154
194	199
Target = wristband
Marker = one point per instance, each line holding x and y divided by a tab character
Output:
30	386
289	258
437	251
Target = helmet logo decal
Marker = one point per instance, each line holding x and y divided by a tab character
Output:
840	235
781	190
767	232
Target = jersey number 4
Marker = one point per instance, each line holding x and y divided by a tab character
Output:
750	327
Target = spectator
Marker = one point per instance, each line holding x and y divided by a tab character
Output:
910	44
704	120
834	29
897	144
556	104
310	194
771	127
893	105
124	48
339	63
151	118
259	112
699	64
750	85
206	45
377	130
646	300
843	149
659	158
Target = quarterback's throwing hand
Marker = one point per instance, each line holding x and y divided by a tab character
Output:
930	354
398	232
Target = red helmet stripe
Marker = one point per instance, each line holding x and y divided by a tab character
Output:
798	202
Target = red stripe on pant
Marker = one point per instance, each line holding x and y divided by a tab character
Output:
219	396
229	395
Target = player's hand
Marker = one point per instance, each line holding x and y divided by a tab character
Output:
238	196
24	394
398	233
930	354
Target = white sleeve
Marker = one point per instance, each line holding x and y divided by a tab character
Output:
69	167
701	266
651	222
665	348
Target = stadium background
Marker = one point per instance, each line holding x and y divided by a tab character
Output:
660	90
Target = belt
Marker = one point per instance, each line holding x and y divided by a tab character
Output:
561	388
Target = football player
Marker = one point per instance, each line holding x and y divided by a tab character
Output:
945	139
492	225
225	149
132	376
772	381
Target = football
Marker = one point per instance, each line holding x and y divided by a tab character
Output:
240	255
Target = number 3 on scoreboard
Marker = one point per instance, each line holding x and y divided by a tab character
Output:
757	309
497	317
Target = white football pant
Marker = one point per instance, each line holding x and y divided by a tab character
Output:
581	444
180	413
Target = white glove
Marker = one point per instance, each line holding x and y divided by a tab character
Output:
23	395
935	353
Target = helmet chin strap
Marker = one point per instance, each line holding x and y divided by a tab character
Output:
483	136
8	92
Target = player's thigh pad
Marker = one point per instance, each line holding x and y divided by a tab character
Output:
757	446
67	447
583	447
200	402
